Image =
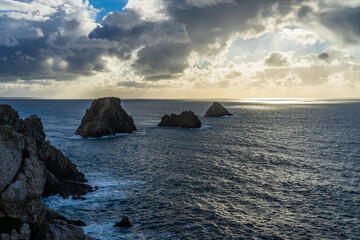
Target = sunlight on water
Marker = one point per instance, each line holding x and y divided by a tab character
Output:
295	100
280	100
277	169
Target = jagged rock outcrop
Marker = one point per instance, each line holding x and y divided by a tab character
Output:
186	119
105	117
217	110
62	176
22	180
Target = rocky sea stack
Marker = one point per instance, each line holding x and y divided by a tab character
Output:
105	117
186	119
31	168
217	110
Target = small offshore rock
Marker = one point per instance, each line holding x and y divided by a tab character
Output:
186	119
76	197
217	110
105	117
125	223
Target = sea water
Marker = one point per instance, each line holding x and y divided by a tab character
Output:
278	169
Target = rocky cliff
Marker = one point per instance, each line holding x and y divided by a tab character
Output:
105	117
186	119
23	178
62	176
217	110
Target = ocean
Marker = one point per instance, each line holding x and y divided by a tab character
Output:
277	169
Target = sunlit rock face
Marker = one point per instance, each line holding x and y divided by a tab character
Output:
62	176
22	178
186	119
105	117
217	110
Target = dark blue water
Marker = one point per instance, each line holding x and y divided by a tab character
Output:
276	170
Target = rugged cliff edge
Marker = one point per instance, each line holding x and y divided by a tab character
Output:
217	110
62	176
186	119
105	117
24	157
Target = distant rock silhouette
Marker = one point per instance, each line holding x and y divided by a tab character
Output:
186	119
125	222
105	117
217	110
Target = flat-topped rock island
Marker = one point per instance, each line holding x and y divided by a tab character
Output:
186	119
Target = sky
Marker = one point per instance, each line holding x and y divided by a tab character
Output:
180	49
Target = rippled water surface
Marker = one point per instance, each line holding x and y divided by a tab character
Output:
278	169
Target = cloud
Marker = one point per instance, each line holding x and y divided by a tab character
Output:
343	24
324	56
156	40
205	3
277	59
38	40
162	46
302	36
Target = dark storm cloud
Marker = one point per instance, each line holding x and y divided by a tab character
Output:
344	22
46	49
163	47
304	11
158	49
193	26
132	33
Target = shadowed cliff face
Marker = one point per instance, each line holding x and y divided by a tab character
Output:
186	119
105	117
25	160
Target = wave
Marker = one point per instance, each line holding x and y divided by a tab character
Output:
77	137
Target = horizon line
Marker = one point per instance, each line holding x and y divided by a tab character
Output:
228	99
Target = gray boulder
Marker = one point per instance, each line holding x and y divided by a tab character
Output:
105	117
217	110
186	119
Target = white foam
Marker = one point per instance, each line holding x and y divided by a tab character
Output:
106	231
203	127
109	188
76	137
